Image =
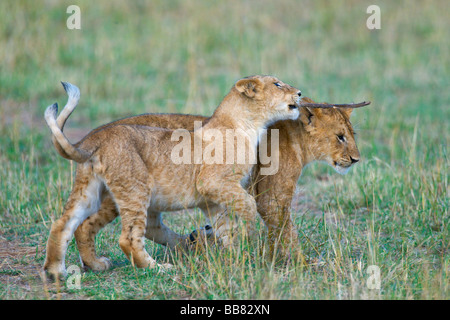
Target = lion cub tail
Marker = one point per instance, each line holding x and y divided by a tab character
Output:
60	141
74	96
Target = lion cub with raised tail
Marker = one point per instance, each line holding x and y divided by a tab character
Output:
135	165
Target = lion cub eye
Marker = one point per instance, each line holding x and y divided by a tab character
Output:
341	137
277	84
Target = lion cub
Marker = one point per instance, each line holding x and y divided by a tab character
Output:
133	163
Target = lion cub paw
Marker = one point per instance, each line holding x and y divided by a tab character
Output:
100	264
166	266
163	267
201	235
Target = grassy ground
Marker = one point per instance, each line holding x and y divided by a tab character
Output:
390	211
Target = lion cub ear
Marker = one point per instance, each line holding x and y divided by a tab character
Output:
308	116
347	111
252	88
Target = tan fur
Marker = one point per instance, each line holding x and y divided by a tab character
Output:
133	164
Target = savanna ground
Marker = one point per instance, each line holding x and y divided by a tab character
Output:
390	211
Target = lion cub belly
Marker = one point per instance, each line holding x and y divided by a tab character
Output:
172	192
172	198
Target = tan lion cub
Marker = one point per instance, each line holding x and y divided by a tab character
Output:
133	163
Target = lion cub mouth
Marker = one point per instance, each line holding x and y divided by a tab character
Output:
341	168
292	106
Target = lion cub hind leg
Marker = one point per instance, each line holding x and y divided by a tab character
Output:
132	202
234	197
132	196
87	231
83	201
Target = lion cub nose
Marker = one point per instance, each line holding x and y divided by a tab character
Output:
299	93
354	160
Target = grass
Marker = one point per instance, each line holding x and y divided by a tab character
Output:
391	210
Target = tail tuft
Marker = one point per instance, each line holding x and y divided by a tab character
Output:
73	94
51	112
72	91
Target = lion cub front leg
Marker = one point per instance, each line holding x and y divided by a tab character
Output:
158	232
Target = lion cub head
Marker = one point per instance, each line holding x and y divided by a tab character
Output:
332	135
270	97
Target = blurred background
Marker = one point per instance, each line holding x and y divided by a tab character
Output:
133	57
